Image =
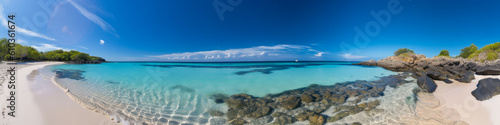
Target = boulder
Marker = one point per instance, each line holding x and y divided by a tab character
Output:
467	77
488	70
436	75
426	84
486	89
448	81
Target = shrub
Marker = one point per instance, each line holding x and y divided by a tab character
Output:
467	51
491	51
444	53
492	56
402	50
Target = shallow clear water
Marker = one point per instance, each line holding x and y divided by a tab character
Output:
180	92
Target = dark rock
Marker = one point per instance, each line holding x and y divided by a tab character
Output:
426	84
219	98
486	89
436	75
467	77
448	81
488	70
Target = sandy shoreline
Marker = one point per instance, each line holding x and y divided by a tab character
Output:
457	96
40	102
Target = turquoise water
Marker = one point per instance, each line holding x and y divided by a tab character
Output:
179	93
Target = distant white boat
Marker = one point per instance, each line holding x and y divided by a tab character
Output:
296	60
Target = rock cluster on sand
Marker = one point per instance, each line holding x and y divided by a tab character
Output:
307	104
442	68
486	88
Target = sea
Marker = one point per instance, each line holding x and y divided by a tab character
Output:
182	93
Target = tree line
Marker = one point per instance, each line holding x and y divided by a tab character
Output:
28	53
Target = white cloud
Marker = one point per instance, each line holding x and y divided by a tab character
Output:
101	42
291	51
94	18
350	56
4	21
319	54
83	47
47	47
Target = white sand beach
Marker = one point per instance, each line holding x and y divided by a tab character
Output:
40	102
457	96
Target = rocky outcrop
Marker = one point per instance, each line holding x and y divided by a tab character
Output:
489	68
426	84
437	68
486	89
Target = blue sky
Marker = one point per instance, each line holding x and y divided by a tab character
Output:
253	30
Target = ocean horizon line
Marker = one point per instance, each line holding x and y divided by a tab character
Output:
218	61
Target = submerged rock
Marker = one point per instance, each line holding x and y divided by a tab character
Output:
219	97
486	89
305	97
70	74
282	118
316	119
289	102
426	84
245	106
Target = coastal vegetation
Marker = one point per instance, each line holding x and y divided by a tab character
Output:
28	53
488	52
402	51
444	53
467	51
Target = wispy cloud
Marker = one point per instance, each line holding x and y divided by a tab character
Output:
319	54
47	47
3	20
94	18
274	52
350	56
83	47
101	42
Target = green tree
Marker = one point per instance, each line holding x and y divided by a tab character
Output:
33	54
444	53
402	50
467	51
80	57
